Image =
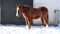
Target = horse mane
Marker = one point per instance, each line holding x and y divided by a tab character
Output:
27	5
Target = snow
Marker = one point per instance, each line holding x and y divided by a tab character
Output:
33	30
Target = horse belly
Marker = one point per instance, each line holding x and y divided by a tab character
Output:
35	16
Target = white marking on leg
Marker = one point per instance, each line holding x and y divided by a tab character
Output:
27	26
46	25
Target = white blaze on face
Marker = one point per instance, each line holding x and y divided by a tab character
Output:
17	12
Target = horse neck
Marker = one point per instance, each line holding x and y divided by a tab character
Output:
25	8
22	10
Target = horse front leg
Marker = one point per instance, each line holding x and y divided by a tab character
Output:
26	21
29	23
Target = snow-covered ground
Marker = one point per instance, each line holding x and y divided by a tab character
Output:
33	30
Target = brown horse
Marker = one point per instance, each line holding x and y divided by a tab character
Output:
30	13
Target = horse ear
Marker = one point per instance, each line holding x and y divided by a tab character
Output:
17	4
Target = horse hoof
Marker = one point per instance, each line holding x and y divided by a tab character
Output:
46	26
27	27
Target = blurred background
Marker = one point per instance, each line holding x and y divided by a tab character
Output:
0	11
8	11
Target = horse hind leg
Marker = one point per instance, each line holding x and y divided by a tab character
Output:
46	21
42	19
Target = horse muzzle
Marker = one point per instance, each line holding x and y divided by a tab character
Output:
17	15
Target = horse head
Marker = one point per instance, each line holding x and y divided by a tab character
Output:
18	10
